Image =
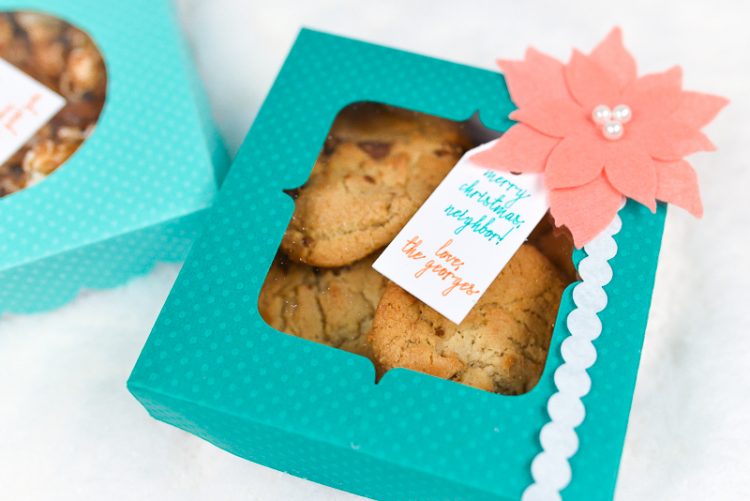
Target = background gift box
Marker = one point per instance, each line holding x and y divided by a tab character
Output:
133	192
214	368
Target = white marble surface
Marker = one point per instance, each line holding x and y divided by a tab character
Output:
70	430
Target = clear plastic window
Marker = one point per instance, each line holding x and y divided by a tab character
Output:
376	168
65	60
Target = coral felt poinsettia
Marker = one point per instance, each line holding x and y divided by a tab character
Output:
600	133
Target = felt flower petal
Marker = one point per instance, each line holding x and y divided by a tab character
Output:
573	162
632	172
590	167
520	149
554	118
589	83
656	95
677	183
611	55
670	140
585	210
697	109
537	77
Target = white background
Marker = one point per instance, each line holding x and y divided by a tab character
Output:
69	430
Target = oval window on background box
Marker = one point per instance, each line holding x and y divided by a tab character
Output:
52	89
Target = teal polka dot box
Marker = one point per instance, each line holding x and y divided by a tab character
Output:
107	153
281	344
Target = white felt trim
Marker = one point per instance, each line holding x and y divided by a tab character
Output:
550	469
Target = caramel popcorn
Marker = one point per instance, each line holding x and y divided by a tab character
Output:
83	73
66	60
45	157
6	32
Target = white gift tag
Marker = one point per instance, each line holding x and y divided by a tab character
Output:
25	107
452	249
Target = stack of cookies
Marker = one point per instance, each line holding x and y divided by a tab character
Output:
377	167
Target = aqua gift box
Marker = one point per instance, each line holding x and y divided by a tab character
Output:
133	192
214	368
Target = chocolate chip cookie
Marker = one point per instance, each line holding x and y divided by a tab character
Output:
556	244
378	165
332	306
501	346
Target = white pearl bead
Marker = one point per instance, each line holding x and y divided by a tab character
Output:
622	113
613	130
601	114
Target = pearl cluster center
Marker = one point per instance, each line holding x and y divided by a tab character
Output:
612	120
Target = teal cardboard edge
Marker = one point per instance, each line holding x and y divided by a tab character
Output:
154	159
292	450
213	367
51	282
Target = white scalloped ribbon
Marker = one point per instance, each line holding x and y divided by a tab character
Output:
550	469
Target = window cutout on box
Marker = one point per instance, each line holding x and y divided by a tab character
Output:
376	168
54	87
